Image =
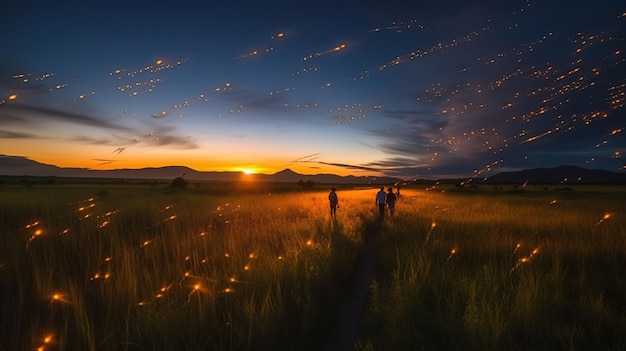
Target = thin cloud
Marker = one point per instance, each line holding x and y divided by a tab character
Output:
165	136
6	134
38	114
308	158
347	166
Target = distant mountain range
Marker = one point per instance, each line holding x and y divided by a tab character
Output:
559	175
22	166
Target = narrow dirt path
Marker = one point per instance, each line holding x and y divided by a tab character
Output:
350	318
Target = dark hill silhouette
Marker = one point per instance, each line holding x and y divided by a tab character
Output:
286	175
22	166
559	175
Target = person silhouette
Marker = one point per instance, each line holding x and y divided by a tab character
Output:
391	201
381	201
334	201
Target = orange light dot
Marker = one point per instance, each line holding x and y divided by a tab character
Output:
58	297
13	97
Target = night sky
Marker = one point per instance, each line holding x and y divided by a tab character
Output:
414	89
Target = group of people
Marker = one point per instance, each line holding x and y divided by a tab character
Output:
384	201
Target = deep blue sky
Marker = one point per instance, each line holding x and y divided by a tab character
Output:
401	88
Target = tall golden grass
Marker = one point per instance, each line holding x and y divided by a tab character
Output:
502	270
131	267
134	267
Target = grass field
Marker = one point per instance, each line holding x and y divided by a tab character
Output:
144	267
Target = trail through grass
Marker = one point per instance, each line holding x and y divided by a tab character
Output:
136	267
501	270
141	268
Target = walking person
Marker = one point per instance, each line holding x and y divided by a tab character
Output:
391	201
334	201
381	201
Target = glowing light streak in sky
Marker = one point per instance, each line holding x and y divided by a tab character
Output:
330	51
267	50
401	26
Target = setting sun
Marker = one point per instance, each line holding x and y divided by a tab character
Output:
248	171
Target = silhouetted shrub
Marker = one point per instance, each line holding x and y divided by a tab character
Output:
179	183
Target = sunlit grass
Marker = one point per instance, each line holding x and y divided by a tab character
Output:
502	271
134	266
137	267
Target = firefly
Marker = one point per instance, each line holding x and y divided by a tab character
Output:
452	253
605	217
58	297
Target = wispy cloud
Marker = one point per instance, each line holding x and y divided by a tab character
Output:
164	135
34	117
35	114
6	134
345	166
